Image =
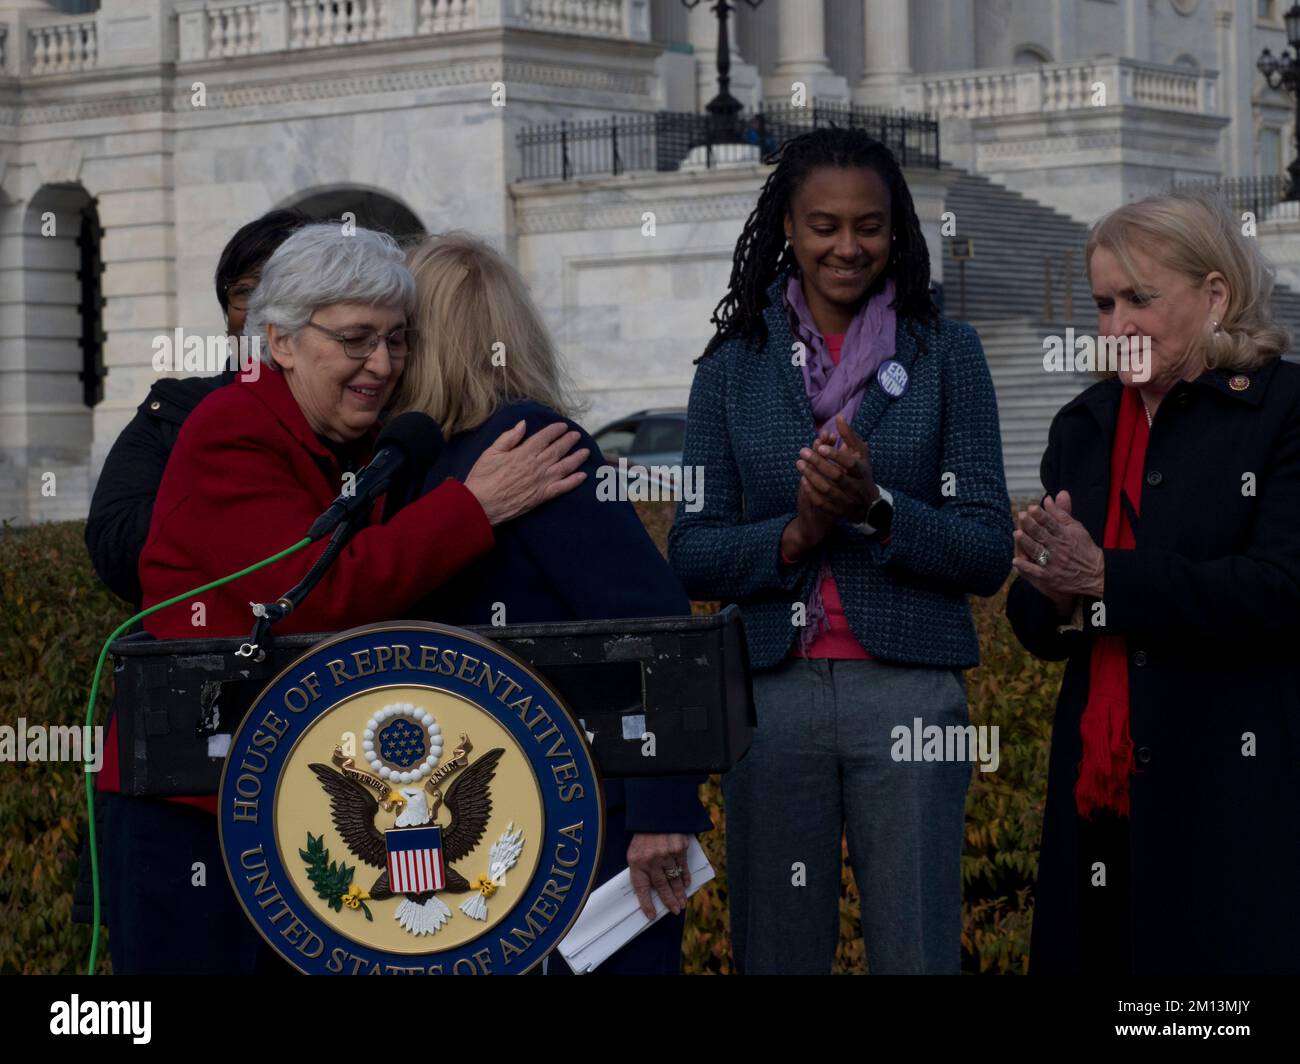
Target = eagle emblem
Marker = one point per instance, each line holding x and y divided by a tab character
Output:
419	859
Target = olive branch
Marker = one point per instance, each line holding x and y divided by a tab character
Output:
331	879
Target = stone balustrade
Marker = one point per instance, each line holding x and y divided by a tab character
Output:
972	94
223	29
592	18
313	24
210	29
60	46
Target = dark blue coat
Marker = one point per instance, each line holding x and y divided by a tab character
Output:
574	558
1208	604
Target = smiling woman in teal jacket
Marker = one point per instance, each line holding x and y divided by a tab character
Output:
853	497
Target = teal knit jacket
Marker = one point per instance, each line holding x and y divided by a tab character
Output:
938	451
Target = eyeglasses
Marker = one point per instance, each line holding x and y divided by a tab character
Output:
359	345
238	292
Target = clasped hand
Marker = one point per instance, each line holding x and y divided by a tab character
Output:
835	480
1055	553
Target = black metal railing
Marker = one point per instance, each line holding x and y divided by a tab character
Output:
1255	194
662	140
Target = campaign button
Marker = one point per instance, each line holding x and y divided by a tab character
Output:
893	378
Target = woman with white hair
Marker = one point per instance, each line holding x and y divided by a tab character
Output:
1164	564
253	467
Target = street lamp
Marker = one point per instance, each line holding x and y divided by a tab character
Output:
724	109
1284	71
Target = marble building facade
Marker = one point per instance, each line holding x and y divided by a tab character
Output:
179	120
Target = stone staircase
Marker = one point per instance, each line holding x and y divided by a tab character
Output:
1013	237
1028	398
1018	242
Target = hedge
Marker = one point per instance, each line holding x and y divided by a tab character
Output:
56	613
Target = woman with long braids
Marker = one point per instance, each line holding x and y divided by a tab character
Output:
854	496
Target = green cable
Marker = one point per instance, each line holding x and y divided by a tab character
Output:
90	714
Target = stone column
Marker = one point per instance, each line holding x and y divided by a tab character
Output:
135	31
801	54
1064	34
1236	62
886	45
1137	16
135	194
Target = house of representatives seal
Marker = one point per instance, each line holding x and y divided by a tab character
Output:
408	798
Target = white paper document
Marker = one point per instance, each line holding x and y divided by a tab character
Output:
612	916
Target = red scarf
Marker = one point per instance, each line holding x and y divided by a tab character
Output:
1107	747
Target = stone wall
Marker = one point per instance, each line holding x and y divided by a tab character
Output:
627	271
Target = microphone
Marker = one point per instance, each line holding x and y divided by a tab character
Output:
410	438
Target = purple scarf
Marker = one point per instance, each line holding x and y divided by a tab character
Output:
834	390
839	389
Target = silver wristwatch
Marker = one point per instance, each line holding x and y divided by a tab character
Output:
880	515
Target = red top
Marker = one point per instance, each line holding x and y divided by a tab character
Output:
247	478
837	640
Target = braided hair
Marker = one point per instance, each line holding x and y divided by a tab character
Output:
762	253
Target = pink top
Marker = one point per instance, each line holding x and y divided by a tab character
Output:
836	641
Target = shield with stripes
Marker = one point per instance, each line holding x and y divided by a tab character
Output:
415	860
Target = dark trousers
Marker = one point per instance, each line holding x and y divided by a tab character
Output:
822	767
165	915
1106	912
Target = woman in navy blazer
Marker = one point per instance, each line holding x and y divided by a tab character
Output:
851	565
583	560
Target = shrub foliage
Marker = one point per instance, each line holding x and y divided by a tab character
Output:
56	614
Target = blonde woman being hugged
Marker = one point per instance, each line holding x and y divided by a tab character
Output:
576	558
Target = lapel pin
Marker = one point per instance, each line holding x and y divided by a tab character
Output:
1238	382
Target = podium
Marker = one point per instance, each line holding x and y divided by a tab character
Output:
683	679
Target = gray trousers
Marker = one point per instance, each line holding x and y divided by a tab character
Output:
820	767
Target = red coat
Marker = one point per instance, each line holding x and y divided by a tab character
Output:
247	478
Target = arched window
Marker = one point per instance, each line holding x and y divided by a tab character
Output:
54	339
1031	55
64	298
370	209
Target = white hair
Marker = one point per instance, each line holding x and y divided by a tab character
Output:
321	264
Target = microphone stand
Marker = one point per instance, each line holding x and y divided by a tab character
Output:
269	614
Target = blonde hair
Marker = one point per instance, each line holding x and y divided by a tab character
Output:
1195	234
468	299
